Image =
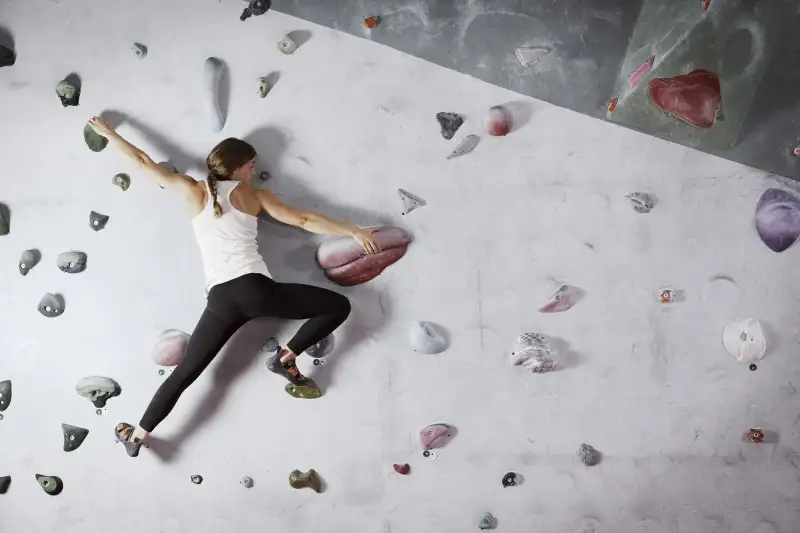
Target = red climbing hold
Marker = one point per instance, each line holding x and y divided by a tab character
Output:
694	97
402	469
706	3
612	105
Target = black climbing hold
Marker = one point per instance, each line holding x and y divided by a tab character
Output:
28	260
510	479
449	122
51	305
161	372
73	437
71	262
753	367
7	57
140	50
264	176
97	221
5	219
5	482
256	8
69	90
197	479
95	141
52	485
5	395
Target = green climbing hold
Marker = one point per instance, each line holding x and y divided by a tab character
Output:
308	392
307	480
95	141
52	485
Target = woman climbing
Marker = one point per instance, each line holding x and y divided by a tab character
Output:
239	288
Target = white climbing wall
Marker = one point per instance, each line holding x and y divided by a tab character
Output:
348	123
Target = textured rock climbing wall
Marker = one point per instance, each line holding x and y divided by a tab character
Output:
349	122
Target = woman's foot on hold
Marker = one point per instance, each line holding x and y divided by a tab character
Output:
288	369
124	433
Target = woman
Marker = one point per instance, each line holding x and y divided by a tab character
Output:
224	210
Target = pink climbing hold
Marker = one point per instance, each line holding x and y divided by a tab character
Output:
170	347
435	436
640	72
498	121
796	151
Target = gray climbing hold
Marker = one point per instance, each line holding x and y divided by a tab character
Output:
97	221
641	202
51	305
98	412
5	482
527	56
123	181
247	482
271	345
95	141
449	122
197	479
410	201
73	437
323	348
213	70
5	395
7	57
161	372
52	485
589	456
140	50
424	337
71	262
263	87
264	176
5	220
98	389
486	522
467	145
287	45
69	92
28	260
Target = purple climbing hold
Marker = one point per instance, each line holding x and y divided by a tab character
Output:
435	436
170	347
778	219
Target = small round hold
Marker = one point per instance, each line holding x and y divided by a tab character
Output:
287	45
140	50
796	151
247	482
264	176
197	479
98	412
161	372
123	181
271	345
753	367
372	22
498	121
316	362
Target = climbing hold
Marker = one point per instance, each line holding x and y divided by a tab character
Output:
666	296
427	454
466	145
246	482
52	485
73	437
98	412
449	123
510	479
303	480
486	522
612	104
778	219
95	141
322	349
706	3
589	456
69	93
498	121
5	482
310	391
435	436
71	262
563	300
98	389
532	351
97	221
346	263
51	305
694	98
161	372
28	260
319	362
196	479
753	367
5	395
170	347
212	76
641	71
123	181
7	57
124	434
410	202
796	151
255	9
140	50
5	220
641	202
264	176
271	345
755	435
372	22
263	87
287	45
744	340
424	337
402	469
527	56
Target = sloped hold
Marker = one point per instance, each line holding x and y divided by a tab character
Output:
73	437
309	391
424	337
71	262
123	181
449	123
7	57
97	221
170	347
98	389
69	93
744	340
533	352
563	300
5	220
498	121
139	50
51	305
641	202
403	469
527	56
694	98
305	480
5	483
486	521
213	70
640	72
410	201
345	262
588	455
28	260
435	436
5	395
52	485
778	219
322	349
467	144
95	141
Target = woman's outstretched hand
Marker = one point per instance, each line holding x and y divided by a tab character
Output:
363	236
100	126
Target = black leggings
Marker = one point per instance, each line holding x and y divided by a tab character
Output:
232	304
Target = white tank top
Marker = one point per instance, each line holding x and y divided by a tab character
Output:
228	243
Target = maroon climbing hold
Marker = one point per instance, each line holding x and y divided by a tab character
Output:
346	264
694	97
402	469
706	3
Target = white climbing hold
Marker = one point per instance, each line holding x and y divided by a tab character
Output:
424	338
641	202
527	56
263	87
410	201
744	340
532	351
212	77
467	145
287	45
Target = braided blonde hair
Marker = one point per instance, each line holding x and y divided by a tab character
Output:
225	159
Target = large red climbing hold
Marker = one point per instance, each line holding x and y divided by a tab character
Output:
694	97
